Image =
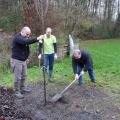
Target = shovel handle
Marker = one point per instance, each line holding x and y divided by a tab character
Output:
69	85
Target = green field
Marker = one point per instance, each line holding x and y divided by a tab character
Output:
106	59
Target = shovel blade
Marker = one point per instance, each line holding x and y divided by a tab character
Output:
56	98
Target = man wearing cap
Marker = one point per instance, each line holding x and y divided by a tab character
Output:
50	51
82	62
20	53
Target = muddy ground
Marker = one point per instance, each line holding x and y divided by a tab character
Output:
78	103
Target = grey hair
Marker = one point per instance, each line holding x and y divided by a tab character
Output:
77	51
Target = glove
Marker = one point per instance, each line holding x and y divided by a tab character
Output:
76	76
55	56
82	72
39	56
40	37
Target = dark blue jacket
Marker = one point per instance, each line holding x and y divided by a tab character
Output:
20	47
85	62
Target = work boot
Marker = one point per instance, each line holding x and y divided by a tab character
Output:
93	81
80	82
24	89
17	91
19	95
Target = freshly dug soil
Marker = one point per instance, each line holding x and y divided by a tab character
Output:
78	103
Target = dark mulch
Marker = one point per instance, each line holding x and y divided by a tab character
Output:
8	109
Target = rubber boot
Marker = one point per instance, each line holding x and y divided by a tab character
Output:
50	76
17	90
23	89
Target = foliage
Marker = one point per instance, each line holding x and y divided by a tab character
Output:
101	32
5	47
13	20
86	19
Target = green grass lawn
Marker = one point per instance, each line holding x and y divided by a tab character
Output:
106	59
106	62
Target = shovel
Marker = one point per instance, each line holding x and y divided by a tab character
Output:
58	96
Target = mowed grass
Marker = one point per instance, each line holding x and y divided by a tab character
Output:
106	59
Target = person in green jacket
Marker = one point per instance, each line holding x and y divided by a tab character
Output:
50	50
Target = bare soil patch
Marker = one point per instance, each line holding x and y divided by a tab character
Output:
78	103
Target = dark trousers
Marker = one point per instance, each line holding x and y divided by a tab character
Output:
90	72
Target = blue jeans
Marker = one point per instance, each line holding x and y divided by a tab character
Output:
90	72
49	59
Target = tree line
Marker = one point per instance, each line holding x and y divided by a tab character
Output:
85	19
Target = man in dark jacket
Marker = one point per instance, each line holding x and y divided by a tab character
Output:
20	53
82	62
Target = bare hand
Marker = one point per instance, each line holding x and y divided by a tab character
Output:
27	61
40	37
39	56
